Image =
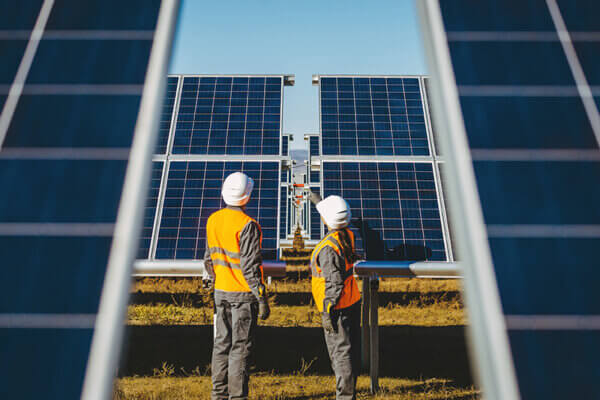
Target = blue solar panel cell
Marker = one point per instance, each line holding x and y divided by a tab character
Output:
546	360
194	192
394	206
510	63
545	192
12	51
511	122
587	53
518	262
106	15
60	191
150	211
508	15
59	273
68	114
225	115
41	352
372	116
90	62
580	15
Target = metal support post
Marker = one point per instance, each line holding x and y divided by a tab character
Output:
365	334
374	328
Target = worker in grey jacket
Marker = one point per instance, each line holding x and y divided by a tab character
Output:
234	263
336	293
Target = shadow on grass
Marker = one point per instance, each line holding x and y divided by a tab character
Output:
406	351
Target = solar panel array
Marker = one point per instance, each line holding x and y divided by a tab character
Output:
372	116
382	124
62	165
526	73
234	118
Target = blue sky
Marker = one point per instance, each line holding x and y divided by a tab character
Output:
301	38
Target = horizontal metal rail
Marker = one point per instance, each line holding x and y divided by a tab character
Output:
410	269
183	268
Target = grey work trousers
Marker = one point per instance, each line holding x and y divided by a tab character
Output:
343	346
235	325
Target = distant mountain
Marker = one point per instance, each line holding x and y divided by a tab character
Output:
299	155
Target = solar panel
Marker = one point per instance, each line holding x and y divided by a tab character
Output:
283	213
394	207
150	210
372	116
238	115
166	118
315	218
193	192
65	142
284	145
315	177
313	146
523	71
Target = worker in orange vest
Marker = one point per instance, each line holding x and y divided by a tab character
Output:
234	262
336	293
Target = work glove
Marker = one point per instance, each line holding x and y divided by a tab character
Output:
263	308
314	197
327	319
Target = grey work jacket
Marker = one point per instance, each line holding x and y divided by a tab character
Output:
250	262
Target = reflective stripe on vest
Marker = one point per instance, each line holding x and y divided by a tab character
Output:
350	292
223	230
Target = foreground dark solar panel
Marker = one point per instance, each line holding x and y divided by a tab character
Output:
229	115
194	192
372	116
536	160
394	208
64	159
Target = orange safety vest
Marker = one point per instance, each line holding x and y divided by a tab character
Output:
223	230
350	293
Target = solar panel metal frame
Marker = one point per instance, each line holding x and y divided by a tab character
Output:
433	158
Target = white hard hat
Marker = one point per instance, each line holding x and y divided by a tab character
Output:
237	189
335	211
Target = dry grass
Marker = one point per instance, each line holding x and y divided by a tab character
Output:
194	285
279	387
442	313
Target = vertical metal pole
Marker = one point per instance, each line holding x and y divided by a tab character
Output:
374	327
365	334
